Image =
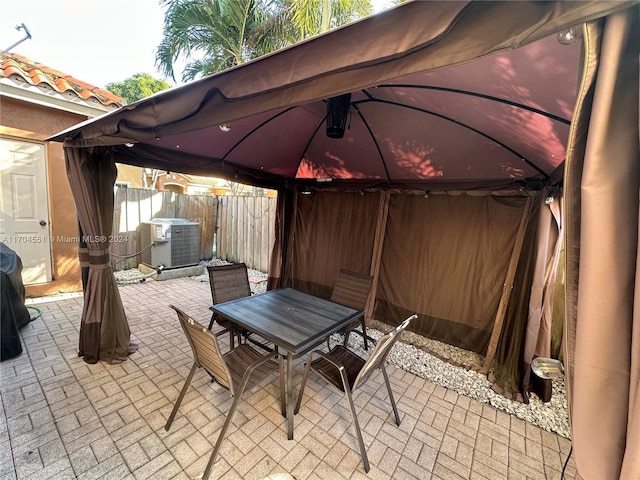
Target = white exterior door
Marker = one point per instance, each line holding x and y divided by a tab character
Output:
24	207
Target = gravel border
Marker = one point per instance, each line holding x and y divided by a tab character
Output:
409	354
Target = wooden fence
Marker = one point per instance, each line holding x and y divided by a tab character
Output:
246	230
242	226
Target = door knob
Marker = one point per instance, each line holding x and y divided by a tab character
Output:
43	223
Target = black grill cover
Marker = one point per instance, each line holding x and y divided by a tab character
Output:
13	313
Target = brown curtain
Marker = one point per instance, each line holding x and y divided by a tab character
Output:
603	288
445	257
543	298
553	283
333	230
284	213
508	374
104	331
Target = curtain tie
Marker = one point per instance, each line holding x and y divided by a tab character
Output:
83	256
98	259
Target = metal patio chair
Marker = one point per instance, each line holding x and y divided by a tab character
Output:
231	282
352	290
347	372
236	371
228	282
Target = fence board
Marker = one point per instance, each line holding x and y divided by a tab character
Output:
240	231
250	208
202	210
221	232
221	239
120	225
233	244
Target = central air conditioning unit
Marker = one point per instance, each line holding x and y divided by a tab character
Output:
177	242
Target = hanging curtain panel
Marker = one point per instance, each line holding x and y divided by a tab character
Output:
104	331
332	230
445	257
602	182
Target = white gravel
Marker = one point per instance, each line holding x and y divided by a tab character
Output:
132	275
551	416
257	279
448	366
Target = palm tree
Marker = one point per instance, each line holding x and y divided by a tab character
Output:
212	35
312	17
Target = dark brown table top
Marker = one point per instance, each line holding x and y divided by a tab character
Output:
293	320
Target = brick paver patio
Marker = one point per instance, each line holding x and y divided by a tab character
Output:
65	419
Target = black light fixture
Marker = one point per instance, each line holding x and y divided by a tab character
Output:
337	112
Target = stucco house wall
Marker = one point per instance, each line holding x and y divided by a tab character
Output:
22	120
129	175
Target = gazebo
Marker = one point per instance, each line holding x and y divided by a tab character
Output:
462	153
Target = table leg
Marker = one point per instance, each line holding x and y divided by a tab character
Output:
289	396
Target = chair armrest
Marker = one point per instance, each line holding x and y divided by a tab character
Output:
263	359
322	354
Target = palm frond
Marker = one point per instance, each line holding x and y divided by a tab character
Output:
217	34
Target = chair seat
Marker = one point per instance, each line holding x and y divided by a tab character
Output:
351	362
240	359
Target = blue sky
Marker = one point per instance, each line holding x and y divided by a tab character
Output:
96	41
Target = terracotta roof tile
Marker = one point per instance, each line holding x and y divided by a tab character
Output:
62	85
35	73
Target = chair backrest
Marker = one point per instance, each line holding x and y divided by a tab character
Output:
206	351
352	289
381	352
228	282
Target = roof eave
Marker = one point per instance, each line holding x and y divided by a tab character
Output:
50	99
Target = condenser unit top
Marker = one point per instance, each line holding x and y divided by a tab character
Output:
164	227
171	221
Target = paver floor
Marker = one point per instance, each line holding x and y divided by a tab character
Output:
63	418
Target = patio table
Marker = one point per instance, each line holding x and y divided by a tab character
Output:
293	321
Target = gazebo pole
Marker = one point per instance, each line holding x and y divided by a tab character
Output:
506	289
288	267
376	258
